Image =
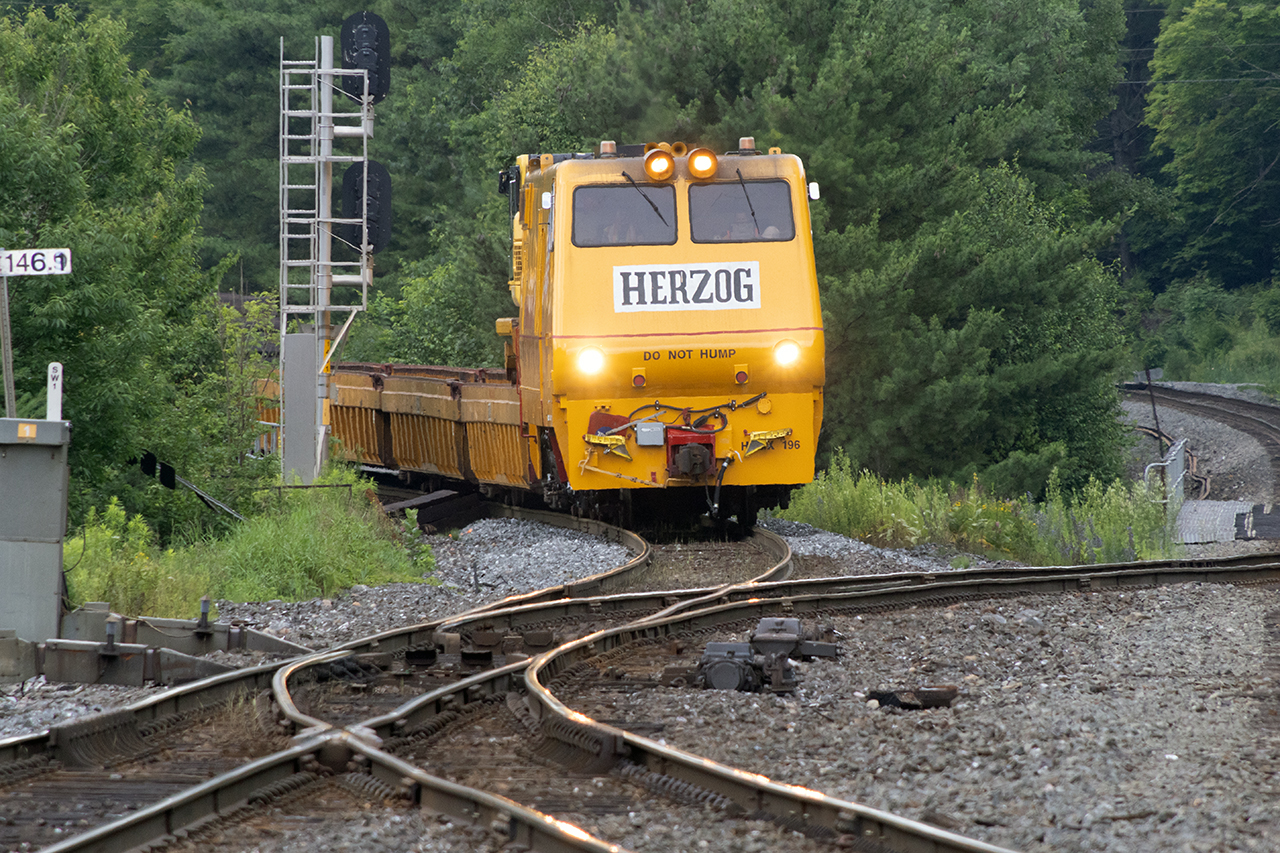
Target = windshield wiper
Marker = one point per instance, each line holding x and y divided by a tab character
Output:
646	198
743	184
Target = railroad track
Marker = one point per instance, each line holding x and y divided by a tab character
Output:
395	724
1262	422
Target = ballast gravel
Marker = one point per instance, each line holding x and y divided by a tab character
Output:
484	562
1143	720
1237	466
481	563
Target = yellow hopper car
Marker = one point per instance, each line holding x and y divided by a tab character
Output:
667	356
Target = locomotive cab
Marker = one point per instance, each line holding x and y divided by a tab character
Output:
669	343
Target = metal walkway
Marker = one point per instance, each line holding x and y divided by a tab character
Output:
1223	521
1209	521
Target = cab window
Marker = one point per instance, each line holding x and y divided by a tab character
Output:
741	212
624	215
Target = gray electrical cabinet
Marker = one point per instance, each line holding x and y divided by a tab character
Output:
33	523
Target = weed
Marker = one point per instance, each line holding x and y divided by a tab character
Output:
1113	523
302	544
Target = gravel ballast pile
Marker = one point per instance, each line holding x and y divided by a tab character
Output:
1076	727
1237	466
37	704
485	562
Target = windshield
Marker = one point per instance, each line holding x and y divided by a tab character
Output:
624	215
740	212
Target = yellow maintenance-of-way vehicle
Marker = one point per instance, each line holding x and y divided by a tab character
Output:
667	356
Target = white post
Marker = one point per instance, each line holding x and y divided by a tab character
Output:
324	269
6	348
53	394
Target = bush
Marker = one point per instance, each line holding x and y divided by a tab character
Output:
1108	524
116	559
1101	524
306	543
317	541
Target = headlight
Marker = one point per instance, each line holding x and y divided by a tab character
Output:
659	165
702	163
786	352
590	360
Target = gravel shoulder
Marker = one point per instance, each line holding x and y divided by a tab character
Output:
1076	729
1237	465
1079	727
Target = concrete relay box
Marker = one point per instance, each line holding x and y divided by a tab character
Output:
33	522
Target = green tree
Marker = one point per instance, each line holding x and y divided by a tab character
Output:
906	112
988	334
211	421
1214	108
90	160
966	318
220	61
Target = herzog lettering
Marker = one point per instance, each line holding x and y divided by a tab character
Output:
696	287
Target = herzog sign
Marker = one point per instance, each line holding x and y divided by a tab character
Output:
695	287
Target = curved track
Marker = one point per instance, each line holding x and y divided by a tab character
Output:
357	721
1257	420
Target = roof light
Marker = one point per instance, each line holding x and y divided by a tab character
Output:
590	360
659	165
608	147
786	352
746	143
702	163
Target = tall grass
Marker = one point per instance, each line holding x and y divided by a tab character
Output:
1254	359
1113	523
303	544
115	558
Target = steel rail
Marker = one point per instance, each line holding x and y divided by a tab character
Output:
668	602
304	724
729	603
425	633
58	741
422	709
1258	420
1266	415
792	804
657	602
399	639
96	734
332	752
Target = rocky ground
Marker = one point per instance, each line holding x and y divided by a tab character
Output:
1076	728
1100	722
1235	463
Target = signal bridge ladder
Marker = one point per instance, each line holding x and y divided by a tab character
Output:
311	118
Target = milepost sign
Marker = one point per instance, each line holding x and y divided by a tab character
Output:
22	262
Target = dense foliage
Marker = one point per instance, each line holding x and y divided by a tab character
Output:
313	542
968	317
1099	524
93	160
1006	226
1214	110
